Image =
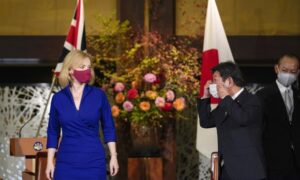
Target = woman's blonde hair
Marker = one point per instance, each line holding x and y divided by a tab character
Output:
73	60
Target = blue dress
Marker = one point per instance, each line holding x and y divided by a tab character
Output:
80	154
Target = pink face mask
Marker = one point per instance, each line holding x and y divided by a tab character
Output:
83	76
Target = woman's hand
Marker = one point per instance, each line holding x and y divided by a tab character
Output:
50	171
50	163
113	165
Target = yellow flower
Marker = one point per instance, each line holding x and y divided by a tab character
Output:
151	94
145	106
115	111
119	98
179	104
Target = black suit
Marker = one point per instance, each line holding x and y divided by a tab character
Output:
281	138
239	129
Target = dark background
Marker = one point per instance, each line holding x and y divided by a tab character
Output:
31	59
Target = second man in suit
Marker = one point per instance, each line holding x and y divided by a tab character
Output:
281	116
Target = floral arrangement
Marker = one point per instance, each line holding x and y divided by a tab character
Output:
147	78
152	103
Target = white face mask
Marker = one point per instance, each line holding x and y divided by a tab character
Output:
286	79
213	90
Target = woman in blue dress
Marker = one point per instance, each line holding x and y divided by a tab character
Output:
79	110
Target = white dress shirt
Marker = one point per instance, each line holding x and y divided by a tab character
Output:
282	90
237	94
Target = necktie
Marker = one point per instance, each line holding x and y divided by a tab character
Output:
289	103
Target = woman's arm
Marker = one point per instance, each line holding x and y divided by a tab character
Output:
109	133
53	134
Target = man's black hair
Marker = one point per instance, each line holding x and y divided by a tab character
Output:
289	55
229	69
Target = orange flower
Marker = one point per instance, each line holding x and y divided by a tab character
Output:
145	106
115	111
179	104
134	84
151	94
119	98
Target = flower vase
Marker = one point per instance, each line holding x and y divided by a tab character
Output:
123	145
168	146
145	140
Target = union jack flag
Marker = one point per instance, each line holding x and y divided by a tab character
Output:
76	38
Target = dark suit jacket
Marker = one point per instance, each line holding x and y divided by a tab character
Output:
279	135
239	129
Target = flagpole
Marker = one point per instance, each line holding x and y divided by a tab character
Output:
54	78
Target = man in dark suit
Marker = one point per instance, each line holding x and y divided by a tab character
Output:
238	122
281	117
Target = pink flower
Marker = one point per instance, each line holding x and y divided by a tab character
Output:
170	95
119	87
128	106
160	102
150	78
